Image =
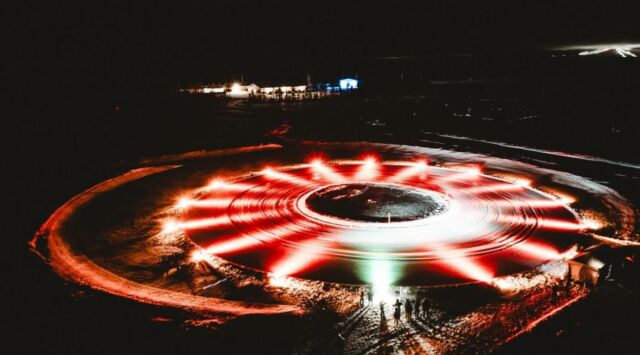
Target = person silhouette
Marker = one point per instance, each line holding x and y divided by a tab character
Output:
408	309
425	307
396	316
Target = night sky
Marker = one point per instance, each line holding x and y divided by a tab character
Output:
122	43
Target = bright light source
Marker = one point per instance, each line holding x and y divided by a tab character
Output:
208	90
236	88
285	282
198	256
278	281
171	226
370	161
215	184
591	224
368	170
595	263
381	275
317	163
622	50
183	203
564	198
522	182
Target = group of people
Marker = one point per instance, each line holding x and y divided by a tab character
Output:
416	308
411	309
369	295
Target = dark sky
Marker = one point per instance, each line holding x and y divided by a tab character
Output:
120	43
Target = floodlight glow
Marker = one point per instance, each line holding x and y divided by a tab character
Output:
622	50
591	224
236	88
381	277
183	203
171	226
368	170
198	256
595	263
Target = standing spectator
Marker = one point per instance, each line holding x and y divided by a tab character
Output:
396	314
567	285
408	309
398	303
425	306
383	320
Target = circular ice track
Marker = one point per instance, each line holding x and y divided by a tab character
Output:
256	230
325	221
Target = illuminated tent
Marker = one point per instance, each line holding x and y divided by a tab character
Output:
601	263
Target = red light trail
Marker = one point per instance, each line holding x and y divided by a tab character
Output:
272	227
485	226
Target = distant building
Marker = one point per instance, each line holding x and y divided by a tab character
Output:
285	92
348	84
252	89
207	89
213	90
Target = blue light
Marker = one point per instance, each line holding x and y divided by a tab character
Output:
348	84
